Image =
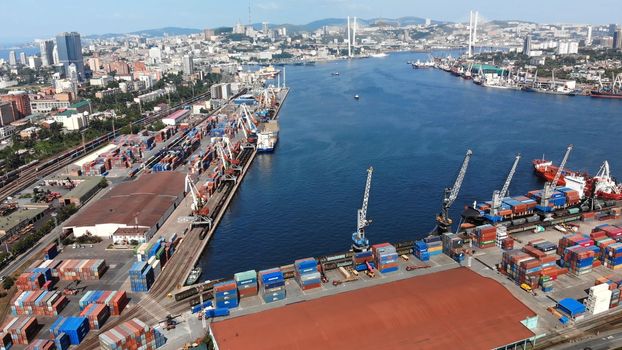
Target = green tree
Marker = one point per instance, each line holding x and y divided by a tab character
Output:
8	282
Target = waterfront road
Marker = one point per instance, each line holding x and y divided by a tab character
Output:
602	341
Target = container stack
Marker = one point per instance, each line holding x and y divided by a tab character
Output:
41	344
50	252
97	314
226	294
130	335
385	257
115	300
501	235
420	250
435	245
612	231
571	196
30	281
141	252
573	240
546	283
89	269
361	259
76	328
452	246
579	259
272	285
62	341
41	303
598	299
613	256
247	283
22	329
141	276
485	236
307	273
6	342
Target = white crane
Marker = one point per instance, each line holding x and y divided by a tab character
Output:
549	187
497	196
249	119
360	243
223	159
443	220
605	184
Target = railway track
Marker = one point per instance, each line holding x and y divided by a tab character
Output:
32	173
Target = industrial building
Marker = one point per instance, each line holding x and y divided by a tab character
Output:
84	188
15	222
176	117
457	308
143	203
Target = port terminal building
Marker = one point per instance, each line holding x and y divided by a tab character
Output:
143	204
452	309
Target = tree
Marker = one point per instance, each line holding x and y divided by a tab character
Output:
8	282
103	183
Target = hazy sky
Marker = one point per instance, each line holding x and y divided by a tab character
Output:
27	19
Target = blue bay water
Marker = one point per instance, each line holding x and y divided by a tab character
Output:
29	51
413	127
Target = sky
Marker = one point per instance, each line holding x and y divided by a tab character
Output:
24	20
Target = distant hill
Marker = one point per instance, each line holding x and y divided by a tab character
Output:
148	33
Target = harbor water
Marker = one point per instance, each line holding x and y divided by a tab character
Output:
413	127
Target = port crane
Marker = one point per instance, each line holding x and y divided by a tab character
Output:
229	168
549	187
199	208
360	243
497	196
443	221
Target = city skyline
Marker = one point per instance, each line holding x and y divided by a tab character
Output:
107	18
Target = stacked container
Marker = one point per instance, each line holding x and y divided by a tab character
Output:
22	329
573	240
579	259
435	245
89	269
420	250
385	257
130	335
141	252
115	300
30	281
62	341
613	256
6	342
272	283
247	283
307	273
42	303
76	328
452	246
40	344
226	294
50	252
613	232
598	299
486	236
97	314
501	235
141	276
361	259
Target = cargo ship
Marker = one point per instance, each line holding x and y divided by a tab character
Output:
545	170
606	94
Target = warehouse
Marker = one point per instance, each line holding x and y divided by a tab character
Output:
457	308
19	220
175	118
143	203
85	188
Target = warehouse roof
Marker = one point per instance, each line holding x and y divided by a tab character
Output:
18	217
443	310
146	199
85	186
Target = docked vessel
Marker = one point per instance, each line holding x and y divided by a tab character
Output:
268	137
378	55
545	170
423	65
194	276
606	94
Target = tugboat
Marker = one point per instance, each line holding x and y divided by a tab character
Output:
356	97
194	276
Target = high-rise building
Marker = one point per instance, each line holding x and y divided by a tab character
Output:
188	65
46	49
6	113
617	39
69	49
588	40
612	28
55	57
20	101
72	72
34	62
12	58
207	34
428	21
22	58
527	45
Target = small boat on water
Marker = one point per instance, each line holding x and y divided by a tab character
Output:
334	73
194	276
378	55
356	97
